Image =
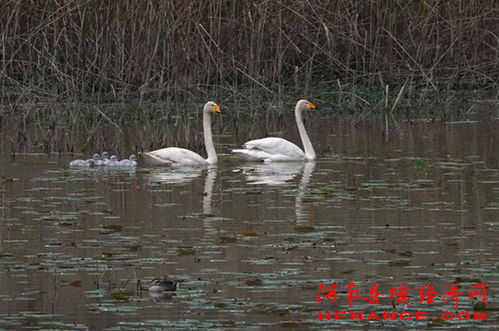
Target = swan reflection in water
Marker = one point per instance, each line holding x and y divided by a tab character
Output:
301	215
279	174
183	175
186	175
209	181
208	216
273	174
174	175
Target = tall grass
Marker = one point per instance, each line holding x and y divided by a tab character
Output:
107	50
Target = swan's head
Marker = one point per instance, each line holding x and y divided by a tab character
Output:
105	155
96	157
212	107
132	158
114	158
304	105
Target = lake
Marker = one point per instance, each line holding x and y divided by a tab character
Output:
250	243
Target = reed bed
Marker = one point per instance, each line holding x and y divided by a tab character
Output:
359	56
149	49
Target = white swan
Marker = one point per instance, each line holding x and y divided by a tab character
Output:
274	149
172	156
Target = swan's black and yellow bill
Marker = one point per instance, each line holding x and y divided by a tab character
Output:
217	108
311	105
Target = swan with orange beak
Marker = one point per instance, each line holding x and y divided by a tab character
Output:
273	149
175	156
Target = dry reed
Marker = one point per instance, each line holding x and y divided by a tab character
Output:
149	49
352	55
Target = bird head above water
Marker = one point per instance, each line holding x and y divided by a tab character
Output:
305	105
212	107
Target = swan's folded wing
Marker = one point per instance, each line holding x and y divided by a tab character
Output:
252	154
276	146
173	155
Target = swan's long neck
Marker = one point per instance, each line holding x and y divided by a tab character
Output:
208	139
307	145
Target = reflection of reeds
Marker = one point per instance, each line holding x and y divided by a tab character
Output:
140	49
125	128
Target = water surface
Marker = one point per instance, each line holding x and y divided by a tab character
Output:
250	243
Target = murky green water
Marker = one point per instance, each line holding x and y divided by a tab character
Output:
250	243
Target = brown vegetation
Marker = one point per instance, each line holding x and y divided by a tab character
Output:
149	49
78	74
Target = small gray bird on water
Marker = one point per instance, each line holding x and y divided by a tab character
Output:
113	162
81	163
96	160
105	158
129	163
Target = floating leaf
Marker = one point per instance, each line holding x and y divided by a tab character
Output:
467	279
419	164
74	283
121	295
304	228
399	263
186	251
227	240
254	282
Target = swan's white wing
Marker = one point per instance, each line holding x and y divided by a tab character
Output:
277	149
252	154
172	156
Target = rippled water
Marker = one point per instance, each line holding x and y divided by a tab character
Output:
250	243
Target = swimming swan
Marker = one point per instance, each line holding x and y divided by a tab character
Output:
275	149
172	156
